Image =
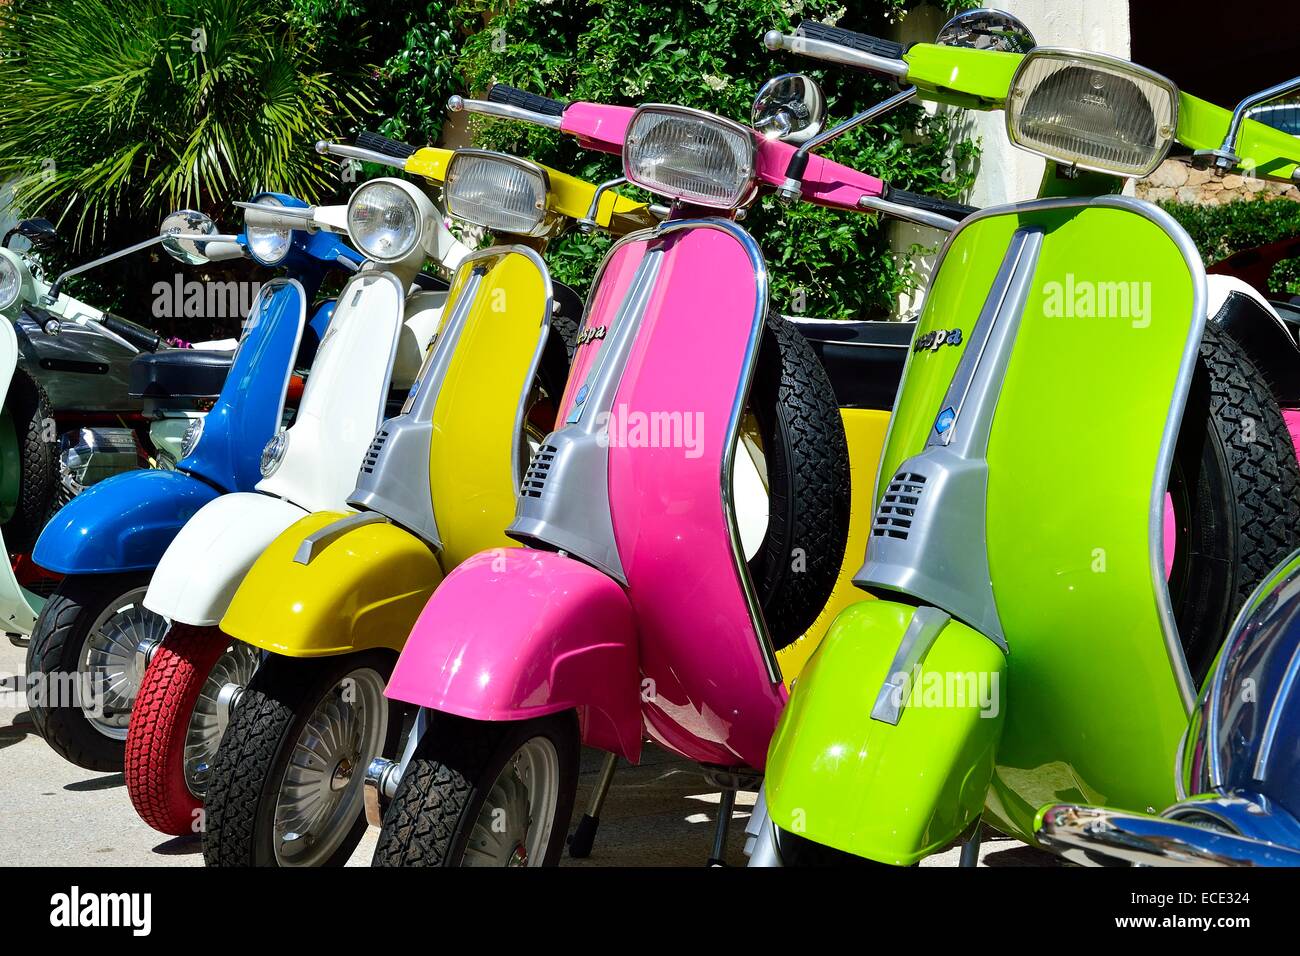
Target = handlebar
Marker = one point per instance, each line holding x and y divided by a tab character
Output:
509	110
943	207
376	143
844	47
141	338
522	99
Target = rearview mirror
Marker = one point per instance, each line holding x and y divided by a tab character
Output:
987	30
789	107
188	223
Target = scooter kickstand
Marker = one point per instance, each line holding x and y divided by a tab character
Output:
725	807
970	850
580	842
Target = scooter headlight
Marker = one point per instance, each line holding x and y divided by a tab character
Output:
1092	111
190	441
273	453
690	155
11	283
268	244
385	220
498	192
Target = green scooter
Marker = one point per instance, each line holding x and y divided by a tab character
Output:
1084	478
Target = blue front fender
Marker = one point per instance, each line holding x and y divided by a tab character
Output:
123	523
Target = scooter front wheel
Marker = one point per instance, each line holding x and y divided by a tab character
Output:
286	784
84	665
175	729
484	794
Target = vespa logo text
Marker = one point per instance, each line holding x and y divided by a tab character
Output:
1083	299
590	334
624	428
77	909
933	341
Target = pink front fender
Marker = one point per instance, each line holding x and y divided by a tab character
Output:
515	633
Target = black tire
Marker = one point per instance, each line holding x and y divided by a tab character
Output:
38	480
1235	486
251	760
807	453
54	663
450	776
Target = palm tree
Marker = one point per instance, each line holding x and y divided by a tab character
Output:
116	111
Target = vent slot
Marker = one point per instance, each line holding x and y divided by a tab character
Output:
898	506
371	460
538	471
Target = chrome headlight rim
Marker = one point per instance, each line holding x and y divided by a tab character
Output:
1104	63
748	175
273	453
545	219
11	271
253	234
409	194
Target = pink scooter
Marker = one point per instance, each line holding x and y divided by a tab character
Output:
648	601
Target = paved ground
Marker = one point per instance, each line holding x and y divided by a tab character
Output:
658	814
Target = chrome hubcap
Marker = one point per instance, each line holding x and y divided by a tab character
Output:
235	666
111	665
514	826
320	796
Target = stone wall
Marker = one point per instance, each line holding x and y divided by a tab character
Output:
1176	179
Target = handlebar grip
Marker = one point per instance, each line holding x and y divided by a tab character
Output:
513	96
142	339
854	41
382	144
943	207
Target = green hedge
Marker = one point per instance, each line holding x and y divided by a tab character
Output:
709	54
1219	231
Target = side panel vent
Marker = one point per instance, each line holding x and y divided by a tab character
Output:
372	453
898	506
538	472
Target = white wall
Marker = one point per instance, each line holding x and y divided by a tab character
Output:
1006	174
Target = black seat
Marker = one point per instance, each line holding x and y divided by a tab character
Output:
180	375
864	359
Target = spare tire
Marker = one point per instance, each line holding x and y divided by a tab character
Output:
807	463
27	410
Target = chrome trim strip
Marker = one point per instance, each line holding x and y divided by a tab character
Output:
1280	702
382	272
318	540
520	413
922	631
1178	400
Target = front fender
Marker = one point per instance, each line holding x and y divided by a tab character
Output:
893	793
123	523
515	633
360	590
197	576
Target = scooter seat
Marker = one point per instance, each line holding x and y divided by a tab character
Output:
864	359
180	375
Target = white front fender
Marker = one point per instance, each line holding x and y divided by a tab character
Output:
205	564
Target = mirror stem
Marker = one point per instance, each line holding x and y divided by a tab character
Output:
792	188
53	294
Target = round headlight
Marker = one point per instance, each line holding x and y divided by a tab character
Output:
384	220
273	453
193	432
11	283
269	245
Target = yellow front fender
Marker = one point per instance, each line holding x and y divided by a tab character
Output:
359	591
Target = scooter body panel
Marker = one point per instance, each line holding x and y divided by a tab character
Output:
200	570
890	792
123	523
17	612
126	522
516	633
360	591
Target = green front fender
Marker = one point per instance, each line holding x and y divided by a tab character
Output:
890	792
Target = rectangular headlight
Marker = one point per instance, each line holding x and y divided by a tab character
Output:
690	155
499	192
1092	111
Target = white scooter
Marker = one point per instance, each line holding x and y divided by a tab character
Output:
386	317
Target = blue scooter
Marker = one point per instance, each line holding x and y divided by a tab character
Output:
94	637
